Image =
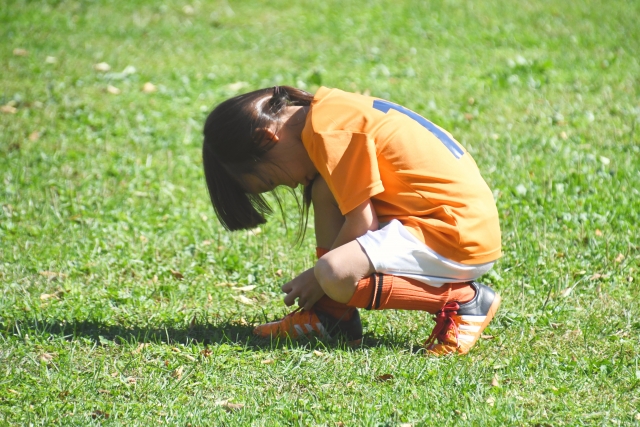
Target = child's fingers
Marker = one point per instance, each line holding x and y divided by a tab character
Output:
287	287
311	297
290	299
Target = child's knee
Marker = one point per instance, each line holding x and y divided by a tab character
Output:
339	271
327	273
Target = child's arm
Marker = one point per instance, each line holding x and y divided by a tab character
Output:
357	222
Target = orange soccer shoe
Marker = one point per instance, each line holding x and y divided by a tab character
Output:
311	322
458	326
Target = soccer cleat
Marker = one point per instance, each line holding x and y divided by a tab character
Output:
458	326
311	322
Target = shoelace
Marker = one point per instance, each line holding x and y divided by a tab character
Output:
444	323
293	312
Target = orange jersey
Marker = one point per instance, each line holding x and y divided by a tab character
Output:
411	170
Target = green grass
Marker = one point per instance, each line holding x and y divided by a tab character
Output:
117	299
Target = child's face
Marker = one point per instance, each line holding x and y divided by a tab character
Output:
272	174
287	163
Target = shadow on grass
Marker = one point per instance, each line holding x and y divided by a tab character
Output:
223	332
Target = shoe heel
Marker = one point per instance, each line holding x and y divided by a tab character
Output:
493	309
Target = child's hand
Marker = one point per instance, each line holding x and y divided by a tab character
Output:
305	288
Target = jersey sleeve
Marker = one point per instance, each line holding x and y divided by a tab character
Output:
347	161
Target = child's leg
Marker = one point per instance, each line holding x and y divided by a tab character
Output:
327	305
346	275
463	310
347	270
384	291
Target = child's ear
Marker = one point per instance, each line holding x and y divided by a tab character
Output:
267	134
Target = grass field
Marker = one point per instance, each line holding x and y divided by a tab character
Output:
124	302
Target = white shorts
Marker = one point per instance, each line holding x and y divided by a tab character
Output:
394	250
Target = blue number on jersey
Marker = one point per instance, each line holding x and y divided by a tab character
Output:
385	106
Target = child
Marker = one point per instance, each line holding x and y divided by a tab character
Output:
403	219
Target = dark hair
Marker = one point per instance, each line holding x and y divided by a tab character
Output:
234	146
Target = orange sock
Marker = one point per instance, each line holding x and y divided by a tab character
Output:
383	291
329	306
